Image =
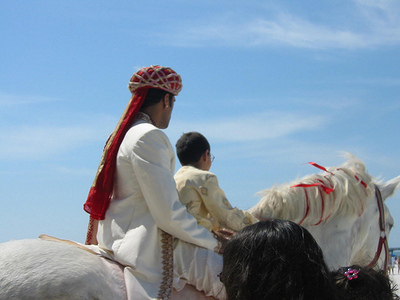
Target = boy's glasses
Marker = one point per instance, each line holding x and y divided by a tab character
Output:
211	156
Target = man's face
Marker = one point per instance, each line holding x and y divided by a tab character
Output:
168	107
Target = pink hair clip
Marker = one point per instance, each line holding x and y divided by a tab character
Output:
351	274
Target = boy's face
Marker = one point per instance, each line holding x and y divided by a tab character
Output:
208	161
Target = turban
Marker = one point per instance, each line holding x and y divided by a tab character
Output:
151	77
156	77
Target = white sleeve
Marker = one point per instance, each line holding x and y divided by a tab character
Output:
153	158
221	210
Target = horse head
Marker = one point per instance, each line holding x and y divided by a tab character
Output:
339	207
378	222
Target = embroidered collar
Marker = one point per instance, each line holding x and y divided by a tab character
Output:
145	117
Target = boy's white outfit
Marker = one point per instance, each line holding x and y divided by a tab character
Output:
199	191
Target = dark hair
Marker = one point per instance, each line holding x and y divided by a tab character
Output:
190	147
154	96
275	259
370	284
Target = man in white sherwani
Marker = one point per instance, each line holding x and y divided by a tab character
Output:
141	222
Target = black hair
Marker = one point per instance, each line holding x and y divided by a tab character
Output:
154	96
190	147
370	284
275	259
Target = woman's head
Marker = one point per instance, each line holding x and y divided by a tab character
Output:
356	282
275	259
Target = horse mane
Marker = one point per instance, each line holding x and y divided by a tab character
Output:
310	200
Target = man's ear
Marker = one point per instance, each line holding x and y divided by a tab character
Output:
166	101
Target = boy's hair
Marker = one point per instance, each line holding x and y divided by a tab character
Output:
190	147
154	96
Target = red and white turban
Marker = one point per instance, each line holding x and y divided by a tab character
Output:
156	77
151	77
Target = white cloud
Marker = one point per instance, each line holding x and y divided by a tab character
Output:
39	142
36	142
368	24
381	4
300	33
74	172
11	99
332	104
252	127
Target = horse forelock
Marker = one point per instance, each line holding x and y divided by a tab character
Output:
352	187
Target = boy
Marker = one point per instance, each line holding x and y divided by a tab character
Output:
199	190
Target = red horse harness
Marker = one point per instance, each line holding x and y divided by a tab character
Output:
383	243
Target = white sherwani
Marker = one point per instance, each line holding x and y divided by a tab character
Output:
145	201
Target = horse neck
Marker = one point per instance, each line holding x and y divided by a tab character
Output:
305	203
349	239
336	240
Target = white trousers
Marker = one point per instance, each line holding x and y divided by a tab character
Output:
193	265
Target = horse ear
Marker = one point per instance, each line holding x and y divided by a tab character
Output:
389	188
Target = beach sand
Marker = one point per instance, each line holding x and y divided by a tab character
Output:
396	280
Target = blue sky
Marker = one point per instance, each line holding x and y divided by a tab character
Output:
271	84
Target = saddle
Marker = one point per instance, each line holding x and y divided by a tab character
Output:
54	239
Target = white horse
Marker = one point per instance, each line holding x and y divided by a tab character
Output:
339	207
343	208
